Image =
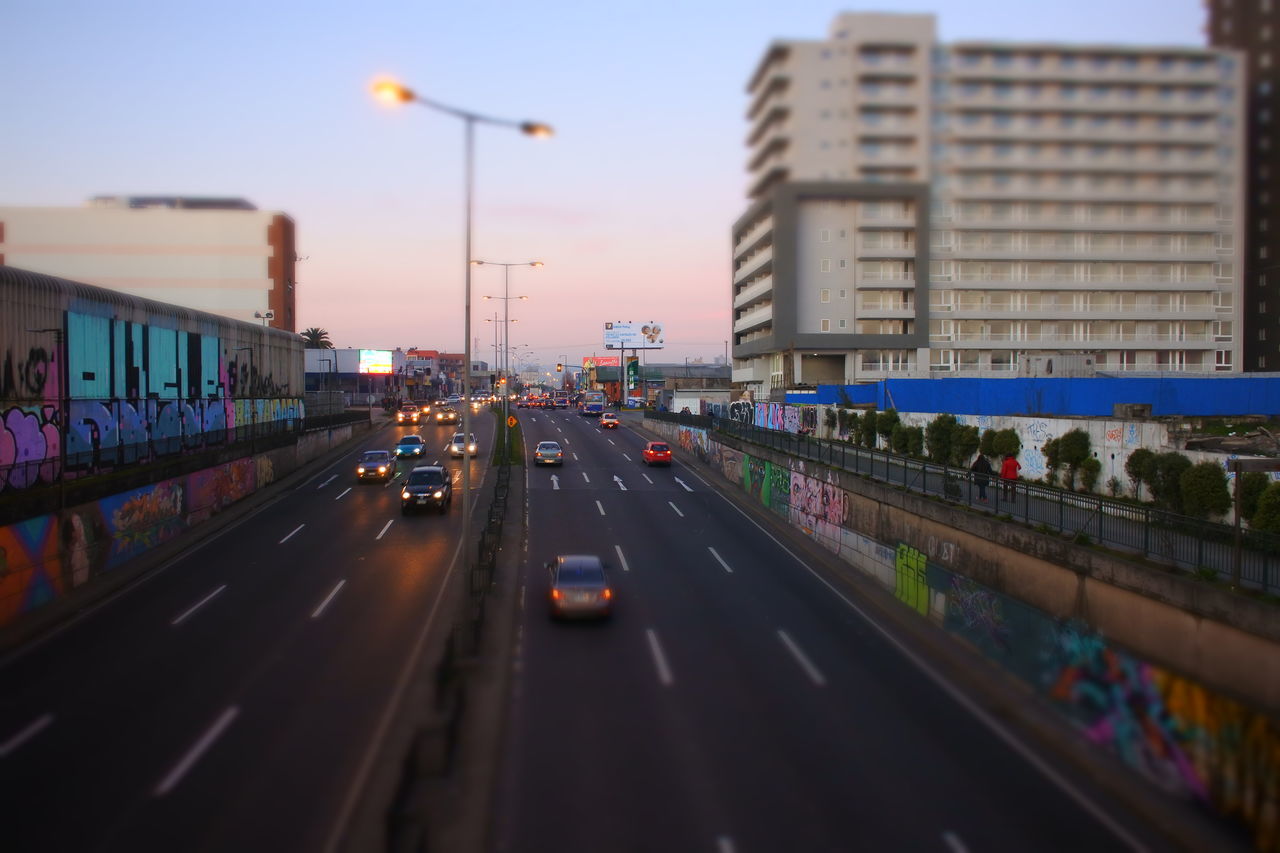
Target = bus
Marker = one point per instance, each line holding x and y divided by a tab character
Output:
592	404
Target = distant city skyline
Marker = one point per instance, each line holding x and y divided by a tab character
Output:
629	206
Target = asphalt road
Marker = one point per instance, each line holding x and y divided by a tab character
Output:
232	699
740	701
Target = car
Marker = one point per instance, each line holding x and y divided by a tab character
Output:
410	445
447	415
608	420
459	446
578	587
522	402
427	486
376	465
548	453
453	399
409	413
657	453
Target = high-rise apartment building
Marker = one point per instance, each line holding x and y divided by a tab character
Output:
964	209
1253	27
218	255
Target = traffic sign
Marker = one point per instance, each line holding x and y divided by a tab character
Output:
511	420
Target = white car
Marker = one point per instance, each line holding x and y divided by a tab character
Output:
459	446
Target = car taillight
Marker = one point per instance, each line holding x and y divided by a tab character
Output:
608	593
555	594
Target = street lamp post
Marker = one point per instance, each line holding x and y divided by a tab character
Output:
393	93
506	337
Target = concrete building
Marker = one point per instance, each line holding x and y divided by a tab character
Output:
217	255
1253	28
927	209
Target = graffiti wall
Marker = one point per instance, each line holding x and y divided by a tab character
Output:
44	558
1177	733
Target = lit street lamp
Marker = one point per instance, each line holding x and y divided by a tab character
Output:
391	92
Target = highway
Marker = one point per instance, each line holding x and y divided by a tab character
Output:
232	699
738	700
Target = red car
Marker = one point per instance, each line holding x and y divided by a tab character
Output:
657	453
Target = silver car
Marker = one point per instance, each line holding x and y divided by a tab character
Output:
579	587
459	446
548	453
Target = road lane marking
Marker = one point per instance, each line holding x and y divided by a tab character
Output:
315	614
724	844
201	603
585	477
327	482
676	508
610	440
626	457
600	507
555	483
621	558
802	659
646	476
193	755
659	659
575	457
386	528
622	486
683	484
953	842
291	535
344	492
720	559
33	729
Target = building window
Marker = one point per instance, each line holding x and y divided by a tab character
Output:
844	294
844	324
844	263
824	295
824	325
824	235
825	265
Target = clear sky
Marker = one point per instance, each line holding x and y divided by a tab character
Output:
629	205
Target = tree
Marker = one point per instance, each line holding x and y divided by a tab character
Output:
987	445
1268	515
1204	490
867	433
1073	449
1137	466
964	445
317	338
899	441
1052	450
1252	485
1165	479
915	442
1090	473
937	437
886	422
1006	443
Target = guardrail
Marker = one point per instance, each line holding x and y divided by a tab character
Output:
1190	544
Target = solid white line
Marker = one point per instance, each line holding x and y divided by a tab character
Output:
659	659
646	476
201	603
344	492
626	457
290	536
327	482
37	726
621	558
720	559
206	740
676	508
585	477
315	614
802	658
600	507
993	725
953	842
386	528
724	844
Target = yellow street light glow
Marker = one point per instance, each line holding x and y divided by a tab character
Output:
537	129
391	92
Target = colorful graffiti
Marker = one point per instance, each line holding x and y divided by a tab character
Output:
978	611
911	586
693	441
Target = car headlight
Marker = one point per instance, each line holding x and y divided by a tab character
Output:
405	495
382	469
439	494
471	447
360	470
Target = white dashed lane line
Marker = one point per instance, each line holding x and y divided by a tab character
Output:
801	658
720	559
315	614
169	782
621	558
34	728
659	659
178	620
385	528
585	477
327	482
343	493
291	535
646	476
676	508
600	507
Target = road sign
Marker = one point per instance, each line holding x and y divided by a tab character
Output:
511	420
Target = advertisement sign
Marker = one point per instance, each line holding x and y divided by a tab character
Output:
590	362
633	372
628	335
375	361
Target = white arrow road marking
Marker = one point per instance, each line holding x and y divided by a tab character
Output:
802	659
25	735
555	483
720	559
676	508
682	483
327	482
600	507
659	659
291	535
175	775
386	528
315	614
201	603
618	480
621	558
344	492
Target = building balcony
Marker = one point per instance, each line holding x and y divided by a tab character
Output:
776	114
1114	102
958	131
755	373
899	250
757	291
1115	221
1132	195
1082	73
754	318
768	180
1120	313
1130	340
752	236
773	86
753	264
1084	163
1116	281
886	310
1050	255
886	282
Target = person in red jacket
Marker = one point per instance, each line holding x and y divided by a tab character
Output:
1009	475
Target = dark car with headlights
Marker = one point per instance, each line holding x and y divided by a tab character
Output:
427	487
376	465
409	413
447	415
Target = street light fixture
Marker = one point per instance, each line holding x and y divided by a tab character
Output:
391	92
506	338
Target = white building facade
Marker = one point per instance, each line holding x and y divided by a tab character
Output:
925	209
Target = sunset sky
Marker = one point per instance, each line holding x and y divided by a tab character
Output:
629	205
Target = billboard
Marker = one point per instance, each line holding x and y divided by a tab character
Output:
592	361
628	335
375	361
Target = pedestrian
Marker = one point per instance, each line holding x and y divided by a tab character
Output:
982	472
1009	475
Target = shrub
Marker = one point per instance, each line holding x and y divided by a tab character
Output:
867	432
1073	448
1090	471
915	441
938	436
987	446
1114	487
1164	476
899	442
964	445
1136	466
1204	490
1252	485
832	417
1052	460
1006	442
1267	516
886	422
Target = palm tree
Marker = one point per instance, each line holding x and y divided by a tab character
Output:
317	338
